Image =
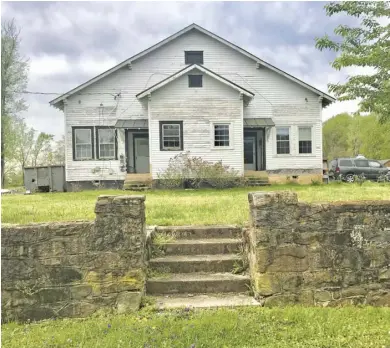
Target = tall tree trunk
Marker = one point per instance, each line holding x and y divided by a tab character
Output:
2	141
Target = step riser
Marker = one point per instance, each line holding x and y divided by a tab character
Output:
197	287
202	233
196	249
194	266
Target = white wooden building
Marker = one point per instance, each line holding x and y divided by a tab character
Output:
197	92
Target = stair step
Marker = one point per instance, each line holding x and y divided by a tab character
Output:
196	263
204	301
201	232
198	283
209	246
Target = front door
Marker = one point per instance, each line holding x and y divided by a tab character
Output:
250	153
141	154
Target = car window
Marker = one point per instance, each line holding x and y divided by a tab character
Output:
346	163
361	163
374	164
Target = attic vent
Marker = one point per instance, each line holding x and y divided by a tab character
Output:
193	57
195	81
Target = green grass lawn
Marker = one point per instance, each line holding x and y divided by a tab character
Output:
178	207
244	327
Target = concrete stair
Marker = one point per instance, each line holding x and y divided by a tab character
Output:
201	260
256	181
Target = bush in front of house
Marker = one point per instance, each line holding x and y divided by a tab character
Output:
194	172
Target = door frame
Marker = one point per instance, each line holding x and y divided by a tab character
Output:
252	135
139	136
134	132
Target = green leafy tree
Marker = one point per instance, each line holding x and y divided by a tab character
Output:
42	146
14	77
365	45
335	139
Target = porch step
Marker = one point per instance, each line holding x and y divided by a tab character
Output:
256	181
136	186
200	232
209	246
204	301
196	263
199	283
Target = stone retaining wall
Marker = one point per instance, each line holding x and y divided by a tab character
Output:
78	268
318	254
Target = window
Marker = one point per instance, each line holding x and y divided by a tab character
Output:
361	163
346	163
282	140
304	139
193	57
171	136
221	135
82	143
195	80
106	143
374	164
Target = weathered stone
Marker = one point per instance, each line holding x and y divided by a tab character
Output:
264	284
379	299
384	274
73	269
281	300
353	291
77	310
80	291
323	296
128	302
53	295
338	251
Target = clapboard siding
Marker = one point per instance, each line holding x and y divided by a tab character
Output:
198	108
275	96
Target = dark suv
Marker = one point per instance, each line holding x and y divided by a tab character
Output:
349	167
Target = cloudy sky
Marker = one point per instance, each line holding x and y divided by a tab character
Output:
71	42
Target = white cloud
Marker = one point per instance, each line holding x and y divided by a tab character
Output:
48	66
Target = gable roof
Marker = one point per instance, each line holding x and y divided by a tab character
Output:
187	69
329	99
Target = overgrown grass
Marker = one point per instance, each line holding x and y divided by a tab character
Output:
176	207
245	327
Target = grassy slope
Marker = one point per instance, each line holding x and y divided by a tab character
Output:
245	327
175	207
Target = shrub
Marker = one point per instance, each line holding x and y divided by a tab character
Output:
194	172
316	182
360	179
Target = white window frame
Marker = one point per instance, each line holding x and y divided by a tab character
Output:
312	140
74	149
289	140
221	123
99	143
172	123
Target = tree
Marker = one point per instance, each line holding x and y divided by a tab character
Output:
348	135
366	45
14	77
24	143
42	146
59	152
335	139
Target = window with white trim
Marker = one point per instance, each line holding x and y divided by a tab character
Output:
222	135
82	143
305	140
106	143
282	140
171	136
193	57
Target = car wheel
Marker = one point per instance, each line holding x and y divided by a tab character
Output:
349	178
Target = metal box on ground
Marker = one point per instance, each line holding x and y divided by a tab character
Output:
45	179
